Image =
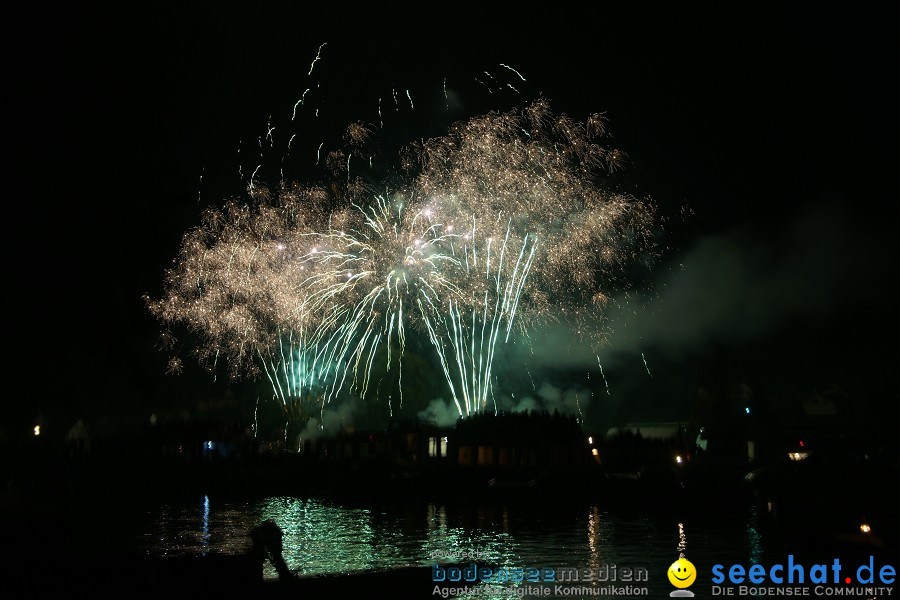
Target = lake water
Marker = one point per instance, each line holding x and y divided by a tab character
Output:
329	536
359	533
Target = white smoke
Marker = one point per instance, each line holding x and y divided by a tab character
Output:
572	401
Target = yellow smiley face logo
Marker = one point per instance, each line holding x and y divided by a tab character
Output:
682	573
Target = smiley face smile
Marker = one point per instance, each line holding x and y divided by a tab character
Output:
682	573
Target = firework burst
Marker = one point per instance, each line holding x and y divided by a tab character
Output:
496	229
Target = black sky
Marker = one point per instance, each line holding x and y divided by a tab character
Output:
778	130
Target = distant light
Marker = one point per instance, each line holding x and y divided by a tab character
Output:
37	430
595	452
678	459
210	445
590	439
747	410
801	443
798	455
865	528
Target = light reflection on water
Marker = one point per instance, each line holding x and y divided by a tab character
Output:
325	537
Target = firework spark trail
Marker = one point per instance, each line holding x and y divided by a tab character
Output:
486	86
316	59
299	103
256	419
513	70
503	229
530	378
473	346
647	367
606	383
269	132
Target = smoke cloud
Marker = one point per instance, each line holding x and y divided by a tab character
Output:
733	287
333	419
572	401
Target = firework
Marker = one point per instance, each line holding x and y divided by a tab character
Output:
496	230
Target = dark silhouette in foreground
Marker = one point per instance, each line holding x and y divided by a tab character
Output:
268	544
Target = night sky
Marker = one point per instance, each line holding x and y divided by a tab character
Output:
768	142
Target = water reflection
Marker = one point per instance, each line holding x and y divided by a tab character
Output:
204	526
682	541
321	537
594	539
754	540
325	537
